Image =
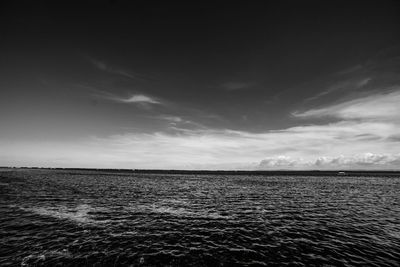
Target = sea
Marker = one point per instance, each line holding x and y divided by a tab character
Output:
100	218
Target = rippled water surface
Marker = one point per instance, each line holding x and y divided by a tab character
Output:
70	218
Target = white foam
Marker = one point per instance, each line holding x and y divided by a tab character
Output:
79	214
41	257
180	211
171	210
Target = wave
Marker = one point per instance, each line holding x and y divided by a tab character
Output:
180	211
80	214
41	257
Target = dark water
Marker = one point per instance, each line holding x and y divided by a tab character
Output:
96	219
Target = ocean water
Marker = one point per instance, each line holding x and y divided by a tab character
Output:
88	218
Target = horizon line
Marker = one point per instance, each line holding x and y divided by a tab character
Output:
203	170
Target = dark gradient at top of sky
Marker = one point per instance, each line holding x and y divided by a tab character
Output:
101	69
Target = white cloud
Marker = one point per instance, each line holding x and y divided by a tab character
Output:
278	162
366	159
381	106
173	119
293	148
141	99
358	161
138	99
364	137
133	98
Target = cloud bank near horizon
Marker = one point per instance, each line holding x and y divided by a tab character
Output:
366	134
343	144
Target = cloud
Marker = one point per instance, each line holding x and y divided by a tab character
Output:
381	106
358	161
350	70
142	101
347	85
365	135
174	119
231	86
278	162
362	136
179	124
138	99
361	160
380	70
303	147
103	66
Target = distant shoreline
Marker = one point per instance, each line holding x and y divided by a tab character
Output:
228	172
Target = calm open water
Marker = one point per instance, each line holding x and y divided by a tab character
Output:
80	218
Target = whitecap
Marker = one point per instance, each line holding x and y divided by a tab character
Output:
79	214
179	211
33	259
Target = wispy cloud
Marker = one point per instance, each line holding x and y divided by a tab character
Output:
103	66
181	125
378	106
135	98
347	85
350	70
142	101
380	70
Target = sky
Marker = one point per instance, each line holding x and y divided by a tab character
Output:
282	85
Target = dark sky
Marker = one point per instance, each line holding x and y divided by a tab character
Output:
283	84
